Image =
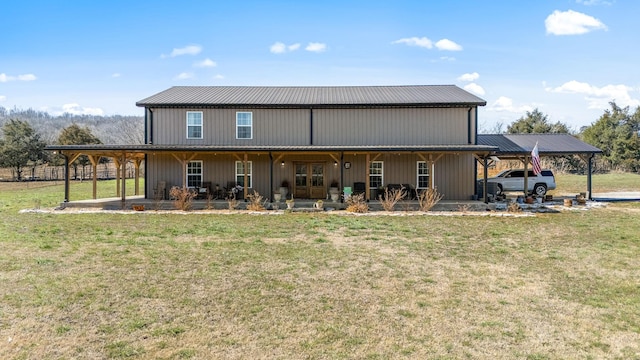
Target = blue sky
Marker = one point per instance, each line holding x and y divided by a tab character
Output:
568	58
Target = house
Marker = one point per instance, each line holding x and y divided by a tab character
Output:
310	138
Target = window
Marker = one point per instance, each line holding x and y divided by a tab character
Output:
194	173
375	174
194	124
244	125
423	175
240	173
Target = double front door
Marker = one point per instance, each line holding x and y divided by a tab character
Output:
309	180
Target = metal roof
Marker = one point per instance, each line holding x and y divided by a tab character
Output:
548	144
267	148
317	96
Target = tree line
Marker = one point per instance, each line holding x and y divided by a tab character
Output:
25	133
616	133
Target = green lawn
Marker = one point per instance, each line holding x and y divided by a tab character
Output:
315	286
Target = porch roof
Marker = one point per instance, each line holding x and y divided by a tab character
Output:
149	148
548	144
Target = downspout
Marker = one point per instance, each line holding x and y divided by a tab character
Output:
469	126
146	141
150	126
311	127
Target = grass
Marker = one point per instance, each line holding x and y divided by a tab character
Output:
169	286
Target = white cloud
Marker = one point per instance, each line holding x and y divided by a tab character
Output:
115	75
281	48
571	23
446	44
424	42
505	104
415	41
316	47
3	98
598	97
469	76
447	58
278	48
184	76
187	50
474	88
25	77
293	47
218	77
76	109
594	2
205	63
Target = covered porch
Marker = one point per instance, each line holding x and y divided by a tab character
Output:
309	171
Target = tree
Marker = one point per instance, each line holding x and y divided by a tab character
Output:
20	146
536	122
616	133
76	135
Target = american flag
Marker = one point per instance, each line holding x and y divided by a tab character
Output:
535	160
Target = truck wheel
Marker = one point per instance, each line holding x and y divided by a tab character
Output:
499	190
540	189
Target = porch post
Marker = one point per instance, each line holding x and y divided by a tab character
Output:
366	177
94	163
246	176
116	162
486	178
66	178
124	179
432	169
271	176
526	176
136	163
589	171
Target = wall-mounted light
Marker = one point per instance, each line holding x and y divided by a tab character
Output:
282	163
335	163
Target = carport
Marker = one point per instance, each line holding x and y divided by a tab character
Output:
519	147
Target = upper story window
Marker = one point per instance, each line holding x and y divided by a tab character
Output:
423	175
194	124
375	174
244	125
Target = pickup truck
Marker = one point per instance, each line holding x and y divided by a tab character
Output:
513	180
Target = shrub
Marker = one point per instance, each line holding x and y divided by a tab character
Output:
428	198
357	204
256	202
182	198
391	198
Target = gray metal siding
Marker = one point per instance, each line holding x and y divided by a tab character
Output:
405	126
454	176
270	127
401	126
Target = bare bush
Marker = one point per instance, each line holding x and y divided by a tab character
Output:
256	202
391	198
514	207
428	198
357	204
182	198
232	202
